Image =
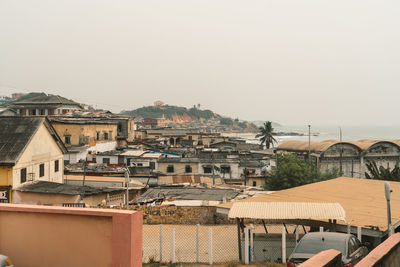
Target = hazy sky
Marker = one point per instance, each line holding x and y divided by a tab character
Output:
290	61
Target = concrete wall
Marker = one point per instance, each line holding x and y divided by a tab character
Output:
53	236
386	254
326	258
112	158
77	131
19	197
105	146
179	167
181	215
5	175
41	150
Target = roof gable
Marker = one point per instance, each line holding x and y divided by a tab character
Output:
15	135
17	132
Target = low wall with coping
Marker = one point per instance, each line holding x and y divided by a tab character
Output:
55	236
182	215
326	258
386	254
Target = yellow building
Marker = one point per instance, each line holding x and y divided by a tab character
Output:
83	131
30	150
178	166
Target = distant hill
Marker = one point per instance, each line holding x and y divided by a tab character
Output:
172	113
191	117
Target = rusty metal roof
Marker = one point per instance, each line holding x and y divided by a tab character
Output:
287	211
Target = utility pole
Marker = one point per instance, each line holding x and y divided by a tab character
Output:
84	172
127	186
341	152
213	174
309	144
389	217
245	176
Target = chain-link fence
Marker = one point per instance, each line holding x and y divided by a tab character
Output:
212	243
192	243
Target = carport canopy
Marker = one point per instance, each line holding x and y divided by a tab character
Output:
287	211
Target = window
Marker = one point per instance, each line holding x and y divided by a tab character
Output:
56	165
254	183
67	139
23	175
207	169
106	160
105	136
225	169
188	169
152	165
41	170
97	135
170	168
139	164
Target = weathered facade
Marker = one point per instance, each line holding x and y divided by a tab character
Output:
349	157
78	132
43	105
30	150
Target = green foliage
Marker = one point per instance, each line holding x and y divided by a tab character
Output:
169	111
226	121
242	124
265	134
292	171
382	173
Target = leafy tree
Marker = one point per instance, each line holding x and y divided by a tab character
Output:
292	171
266	134
226	121
382	173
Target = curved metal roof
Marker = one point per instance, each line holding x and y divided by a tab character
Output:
322	146
303	145
287	211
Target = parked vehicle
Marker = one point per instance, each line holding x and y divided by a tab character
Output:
5	261
313	243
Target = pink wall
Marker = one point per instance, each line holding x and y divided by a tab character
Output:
386	254
54	236
326	258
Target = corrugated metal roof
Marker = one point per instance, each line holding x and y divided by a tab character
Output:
133	153
362	199
287	210
324	145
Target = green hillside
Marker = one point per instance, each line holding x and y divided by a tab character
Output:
169	111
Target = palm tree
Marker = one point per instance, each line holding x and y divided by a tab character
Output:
266	134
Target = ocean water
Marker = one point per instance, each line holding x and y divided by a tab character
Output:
321	133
